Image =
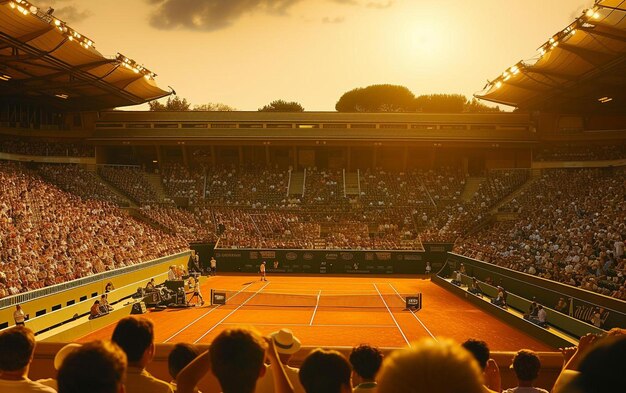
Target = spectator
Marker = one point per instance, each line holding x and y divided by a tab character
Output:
474	287
136	338
95	311
109	287
236	359
561	306
541	319
96	367
491	373
430	366
172	274
17	345
500	299
366	362
326	372
526	364
19	316
600	368
181	355
105	307
286	345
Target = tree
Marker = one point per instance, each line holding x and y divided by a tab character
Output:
377	98
214	107
475	106
282	106
440	103
173	103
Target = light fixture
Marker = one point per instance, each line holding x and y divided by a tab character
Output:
4	77
62	96
498	84
604	100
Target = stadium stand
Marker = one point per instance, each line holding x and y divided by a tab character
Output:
571	228
50	236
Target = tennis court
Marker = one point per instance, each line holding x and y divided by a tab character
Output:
334	311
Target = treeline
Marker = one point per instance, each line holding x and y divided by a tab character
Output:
395	98
375	98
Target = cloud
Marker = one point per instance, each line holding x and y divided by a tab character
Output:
71	13
210	15
380	5
337	19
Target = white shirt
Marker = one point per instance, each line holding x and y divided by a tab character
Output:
525	390
19	316
24	386
541	315
171	275
262	268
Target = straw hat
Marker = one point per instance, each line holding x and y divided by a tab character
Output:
62	354
285	342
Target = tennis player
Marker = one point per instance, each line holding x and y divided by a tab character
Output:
262	271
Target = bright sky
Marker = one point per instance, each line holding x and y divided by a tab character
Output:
246	53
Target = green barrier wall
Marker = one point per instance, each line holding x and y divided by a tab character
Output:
581	302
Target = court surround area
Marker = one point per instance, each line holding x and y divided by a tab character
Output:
334	311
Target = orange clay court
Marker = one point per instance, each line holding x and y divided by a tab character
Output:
374	314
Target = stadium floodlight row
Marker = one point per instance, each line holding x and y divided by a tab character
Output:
49	51
579	69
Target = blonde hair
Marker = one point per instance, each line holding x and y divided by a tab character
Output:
430	366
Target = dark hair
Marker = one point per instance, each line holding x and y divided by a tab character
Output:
181	355
96	367
324	372
134	335
366	361
479	349
601	369
237	358
16	348
526	364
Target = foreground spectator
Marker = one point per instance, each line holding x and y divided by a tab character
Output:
430	366
526	364
236	359
365	361
480	351
136	338
573	357
286	345
96	367
181	355
601	369
326	372
17	345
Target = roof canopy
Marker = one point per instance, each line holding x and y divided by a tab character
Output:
582	68
43	60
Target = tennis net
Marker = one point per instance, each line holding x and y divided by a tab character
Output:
310	299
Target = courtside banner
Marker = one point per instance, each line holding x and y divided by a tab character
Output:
218	297
414	301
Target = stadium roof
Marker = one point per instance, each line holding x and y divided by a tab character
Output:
582	68
43	60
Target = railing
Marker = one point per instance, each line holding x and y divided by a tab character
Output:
27	296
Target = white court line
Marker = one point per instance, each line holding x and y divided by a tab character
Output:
306	324
415	316
392	317
230	313
316	306
203	315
